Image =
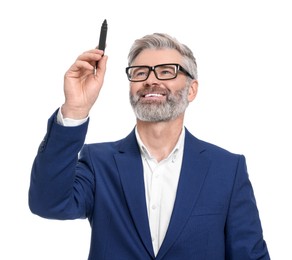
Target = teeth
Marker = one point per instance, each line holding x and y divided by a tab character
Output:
153	95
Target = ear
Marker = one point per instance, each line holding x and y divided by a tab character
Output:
193	90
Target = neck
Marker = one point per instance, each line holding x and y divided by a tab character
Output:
160	138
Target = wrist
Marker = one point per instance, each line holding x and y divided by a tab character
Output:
74	113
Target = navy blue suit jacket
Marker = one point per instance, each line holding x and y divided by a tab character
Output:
214	217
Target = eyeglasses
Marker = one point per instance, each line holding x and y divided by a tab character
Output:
161	71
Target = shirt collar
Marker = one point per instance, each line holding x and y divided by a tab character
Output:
178	147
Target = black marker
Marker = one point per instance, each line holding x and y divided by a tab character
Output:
102	37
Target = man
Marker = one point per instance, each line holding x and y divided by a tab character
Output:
159	193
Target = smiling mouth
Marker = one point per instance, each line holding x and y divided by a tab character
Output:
150	95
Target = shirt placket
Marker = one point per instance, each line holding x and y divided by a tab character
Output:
155	199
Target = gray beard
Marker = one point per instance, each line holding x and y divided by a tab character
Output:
156	111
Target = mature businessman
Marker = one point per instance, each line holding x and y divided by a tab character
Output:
159	193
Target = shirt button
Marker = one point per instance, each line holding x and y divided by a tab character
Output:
153	207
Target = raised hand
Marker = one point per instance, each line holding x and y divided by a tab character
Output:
82	84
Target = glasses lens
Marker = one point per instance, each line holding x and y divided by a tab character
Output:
138	73
166	71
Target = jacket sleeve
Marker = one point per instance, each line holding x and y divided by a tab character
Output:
58	190
244	235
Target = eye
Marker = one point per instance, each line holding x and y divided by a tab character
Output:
139	73
166	72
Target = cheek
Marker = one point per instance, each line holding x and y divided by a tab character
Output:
134	87
131	90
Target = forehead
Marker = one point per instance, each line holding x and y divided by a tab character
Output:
153	57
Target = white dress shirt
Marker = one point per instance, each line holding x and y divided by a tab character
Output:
160	180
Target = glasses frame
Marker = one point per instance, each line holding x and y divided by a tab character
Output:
152	68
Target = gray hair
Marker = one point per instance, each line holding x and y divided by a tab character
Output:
164	41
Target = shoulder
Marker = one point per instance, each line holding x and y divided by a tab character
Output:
209	149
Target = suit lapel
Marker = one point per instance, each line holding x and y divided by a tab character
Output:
131	172
193	173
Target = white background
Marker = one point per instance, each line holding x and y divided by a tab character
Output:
243	50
